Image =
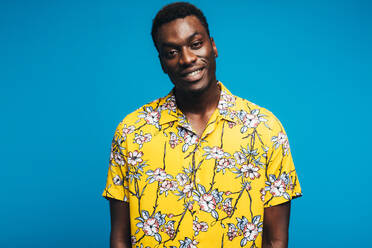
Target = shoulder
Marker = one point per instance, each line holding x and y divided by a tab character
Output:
146	117
248	109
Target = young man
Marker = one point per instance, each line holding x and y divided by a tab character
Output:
199	167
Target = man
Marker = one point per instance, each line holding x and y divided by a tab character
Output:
199	167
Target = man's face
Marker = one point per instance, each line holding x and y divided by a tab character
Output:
187	54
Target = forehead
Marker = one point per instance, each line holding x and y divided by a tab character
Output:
180	30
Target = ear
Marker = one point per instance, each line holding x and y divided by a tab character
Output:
162	65
214	47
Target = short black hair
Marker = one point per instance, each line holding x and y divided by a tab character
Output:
174	11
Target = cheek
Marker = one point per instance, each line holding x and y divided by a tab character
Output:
203	52
169	66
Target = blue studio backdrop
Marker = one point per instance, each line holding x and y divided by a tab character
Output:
71	70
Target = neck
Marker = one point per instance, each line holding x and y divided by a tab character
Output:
198	103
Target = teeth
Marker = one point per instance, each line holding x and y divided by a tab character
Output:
193	73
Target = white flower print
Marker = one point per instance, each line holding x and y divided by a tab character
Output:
277	188
207	202
160	175
189	138
250	120
188	189
140	138
168	186
199	226
250	229
281	139
226	101
151	227
119	159
127	130
117	180
170	104
250	232
174	140
214	152
182	179
151	116
225	163
135	157
188	243
250	171
240	158
227	206
233	231
263	193
169	228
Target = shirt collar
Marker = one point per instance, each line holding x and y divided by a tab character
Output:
169	112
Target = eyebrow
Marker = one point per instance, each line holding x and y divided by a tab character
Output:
171	44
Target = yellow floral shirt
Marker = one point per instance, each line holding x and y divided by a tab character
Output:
189	192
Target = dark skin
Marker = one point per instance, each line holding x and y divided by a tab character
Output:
120	224
187	54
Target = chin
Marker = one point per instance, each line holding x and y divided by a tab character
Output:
196	88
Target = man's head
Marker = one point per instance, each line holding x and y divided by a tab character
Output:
186	50
174	11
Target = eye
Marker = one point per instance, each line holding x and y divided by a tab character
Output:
196	44
171	53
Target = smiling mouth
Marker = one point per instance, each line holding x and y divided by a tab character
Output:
193	72
194	75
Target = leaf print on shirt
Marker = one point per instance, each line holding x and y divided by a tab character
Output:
119	159
140	138
127	130
168	185
135	157
282	140
151	116
208	201
215	153
250	171
117	180
150	225
225	163
169	228
250	120
199	226
170	104
174	140
189	138
250	230
158	175
188	243
278	186
225	104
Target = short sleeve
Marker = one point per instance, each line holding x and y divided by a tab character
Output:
281	183
117	179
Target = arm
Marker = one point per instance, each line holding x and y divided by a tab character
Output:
120	225
276	223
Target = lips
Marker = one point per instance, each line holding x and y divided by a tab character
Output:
193	75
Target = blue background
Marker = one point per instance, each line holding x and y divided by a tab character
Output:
71	70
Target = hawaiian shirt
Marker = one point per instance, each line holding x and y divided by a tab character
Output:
187	191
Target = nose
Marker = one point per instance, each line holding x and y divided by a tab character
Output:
187	57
